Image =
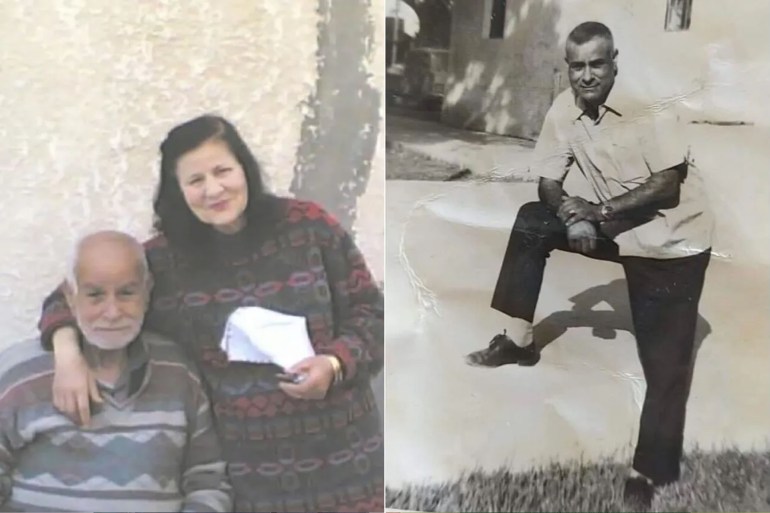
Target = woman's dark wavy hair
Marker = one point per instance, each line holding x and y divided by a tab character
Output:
173	218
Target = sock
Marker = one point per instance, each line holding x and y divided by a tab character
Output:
520	331
634	473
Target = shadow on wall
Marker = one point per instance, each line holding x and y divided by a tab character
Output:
605	323
339	135
524	69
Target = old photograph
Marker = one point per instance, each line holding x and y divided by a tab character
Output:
191	283
577	255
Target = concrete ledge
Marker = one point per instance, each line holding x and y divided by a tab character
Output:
485	155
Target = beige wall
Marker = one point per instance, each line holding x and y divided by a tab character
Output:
88	90
371	206
501	86
720	68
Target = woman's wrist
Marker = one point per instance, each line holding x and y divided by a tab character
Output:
338	373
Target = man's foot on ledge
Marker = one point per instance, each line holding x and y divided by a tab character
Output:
503	351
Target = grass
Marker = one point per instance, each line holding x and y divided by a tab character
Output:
728	480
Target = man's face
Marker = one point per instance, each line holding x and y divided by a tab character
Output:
112	295
591	69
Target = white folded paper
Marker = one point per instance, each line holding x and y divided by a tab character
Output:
258	335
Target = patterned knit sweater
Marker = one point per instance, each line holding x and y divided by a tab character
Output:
283	454
152	448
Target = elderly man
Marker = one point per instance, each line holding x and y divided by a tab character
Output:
647	211
150	446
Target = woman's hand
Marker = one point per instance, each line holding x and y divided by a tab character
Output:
318	374
73	382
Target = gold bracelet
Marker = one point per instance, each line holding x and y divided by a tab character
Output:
336	368
340	377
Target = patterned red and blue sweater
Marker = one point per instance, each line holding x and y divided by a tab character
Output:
283	454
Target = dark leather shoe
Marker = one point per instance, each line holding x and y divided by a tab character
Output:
638	493
503	351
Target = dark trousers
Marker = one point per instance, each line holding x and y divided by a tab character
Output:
664	296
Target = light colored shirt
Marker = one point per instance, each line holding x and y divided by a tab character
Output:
618	152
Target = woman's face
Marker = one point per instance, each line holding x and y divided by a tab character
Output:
214	185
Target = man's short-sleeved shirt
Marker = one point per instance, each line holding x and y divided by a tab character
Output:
618	152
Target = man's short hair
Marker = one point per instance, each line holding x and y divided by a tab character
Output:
589	30
74	256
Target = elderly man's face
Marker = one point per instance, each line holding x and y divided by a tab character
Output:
112	294
591	69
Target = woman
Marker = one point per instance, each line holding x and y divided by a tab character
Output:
223	242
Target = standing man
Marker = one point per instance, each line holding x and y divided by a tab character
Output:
648	211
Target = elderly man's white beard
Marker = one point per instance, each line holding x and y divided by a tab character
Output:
106	341
103	352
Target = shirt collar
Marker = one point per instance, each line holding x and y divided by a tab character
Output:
611	104
136	365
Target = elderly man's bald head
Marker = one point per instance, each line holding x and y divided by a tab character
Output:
106	244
